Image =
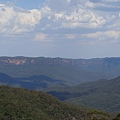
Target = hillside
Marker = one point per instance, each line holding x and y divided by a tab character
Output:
32	82
71	71
20	104
102	94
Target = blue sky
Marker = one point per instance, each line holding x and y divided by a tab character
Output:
64	28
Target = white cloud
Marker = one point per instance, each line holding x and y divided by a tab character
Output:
80	14
12	21
40	37
74	14
99	37
2	5
31	19
105	5
46	11
69	1
59	16
56	15
109	34
83	18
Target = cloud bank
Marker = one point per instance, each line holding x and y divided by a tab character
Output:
63	23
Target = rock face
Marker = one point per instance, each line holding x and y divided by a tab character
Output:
60	61
38	60
103	65
12	61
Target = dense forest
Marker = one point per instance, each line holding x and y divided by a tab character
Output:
23	104
101	94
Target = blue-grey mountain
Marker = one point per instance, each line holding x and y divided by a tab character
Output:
69	71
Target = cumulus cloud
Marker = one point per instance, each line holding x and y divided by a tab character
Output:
70	14
78	14
83	18
13	21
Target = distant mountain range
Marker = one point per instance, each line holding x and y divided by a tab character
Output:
70	71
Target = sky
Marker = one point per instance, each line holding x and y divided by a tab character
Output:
60	28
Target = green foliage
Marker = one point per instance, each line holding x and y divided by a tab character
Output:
102	94
23	104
